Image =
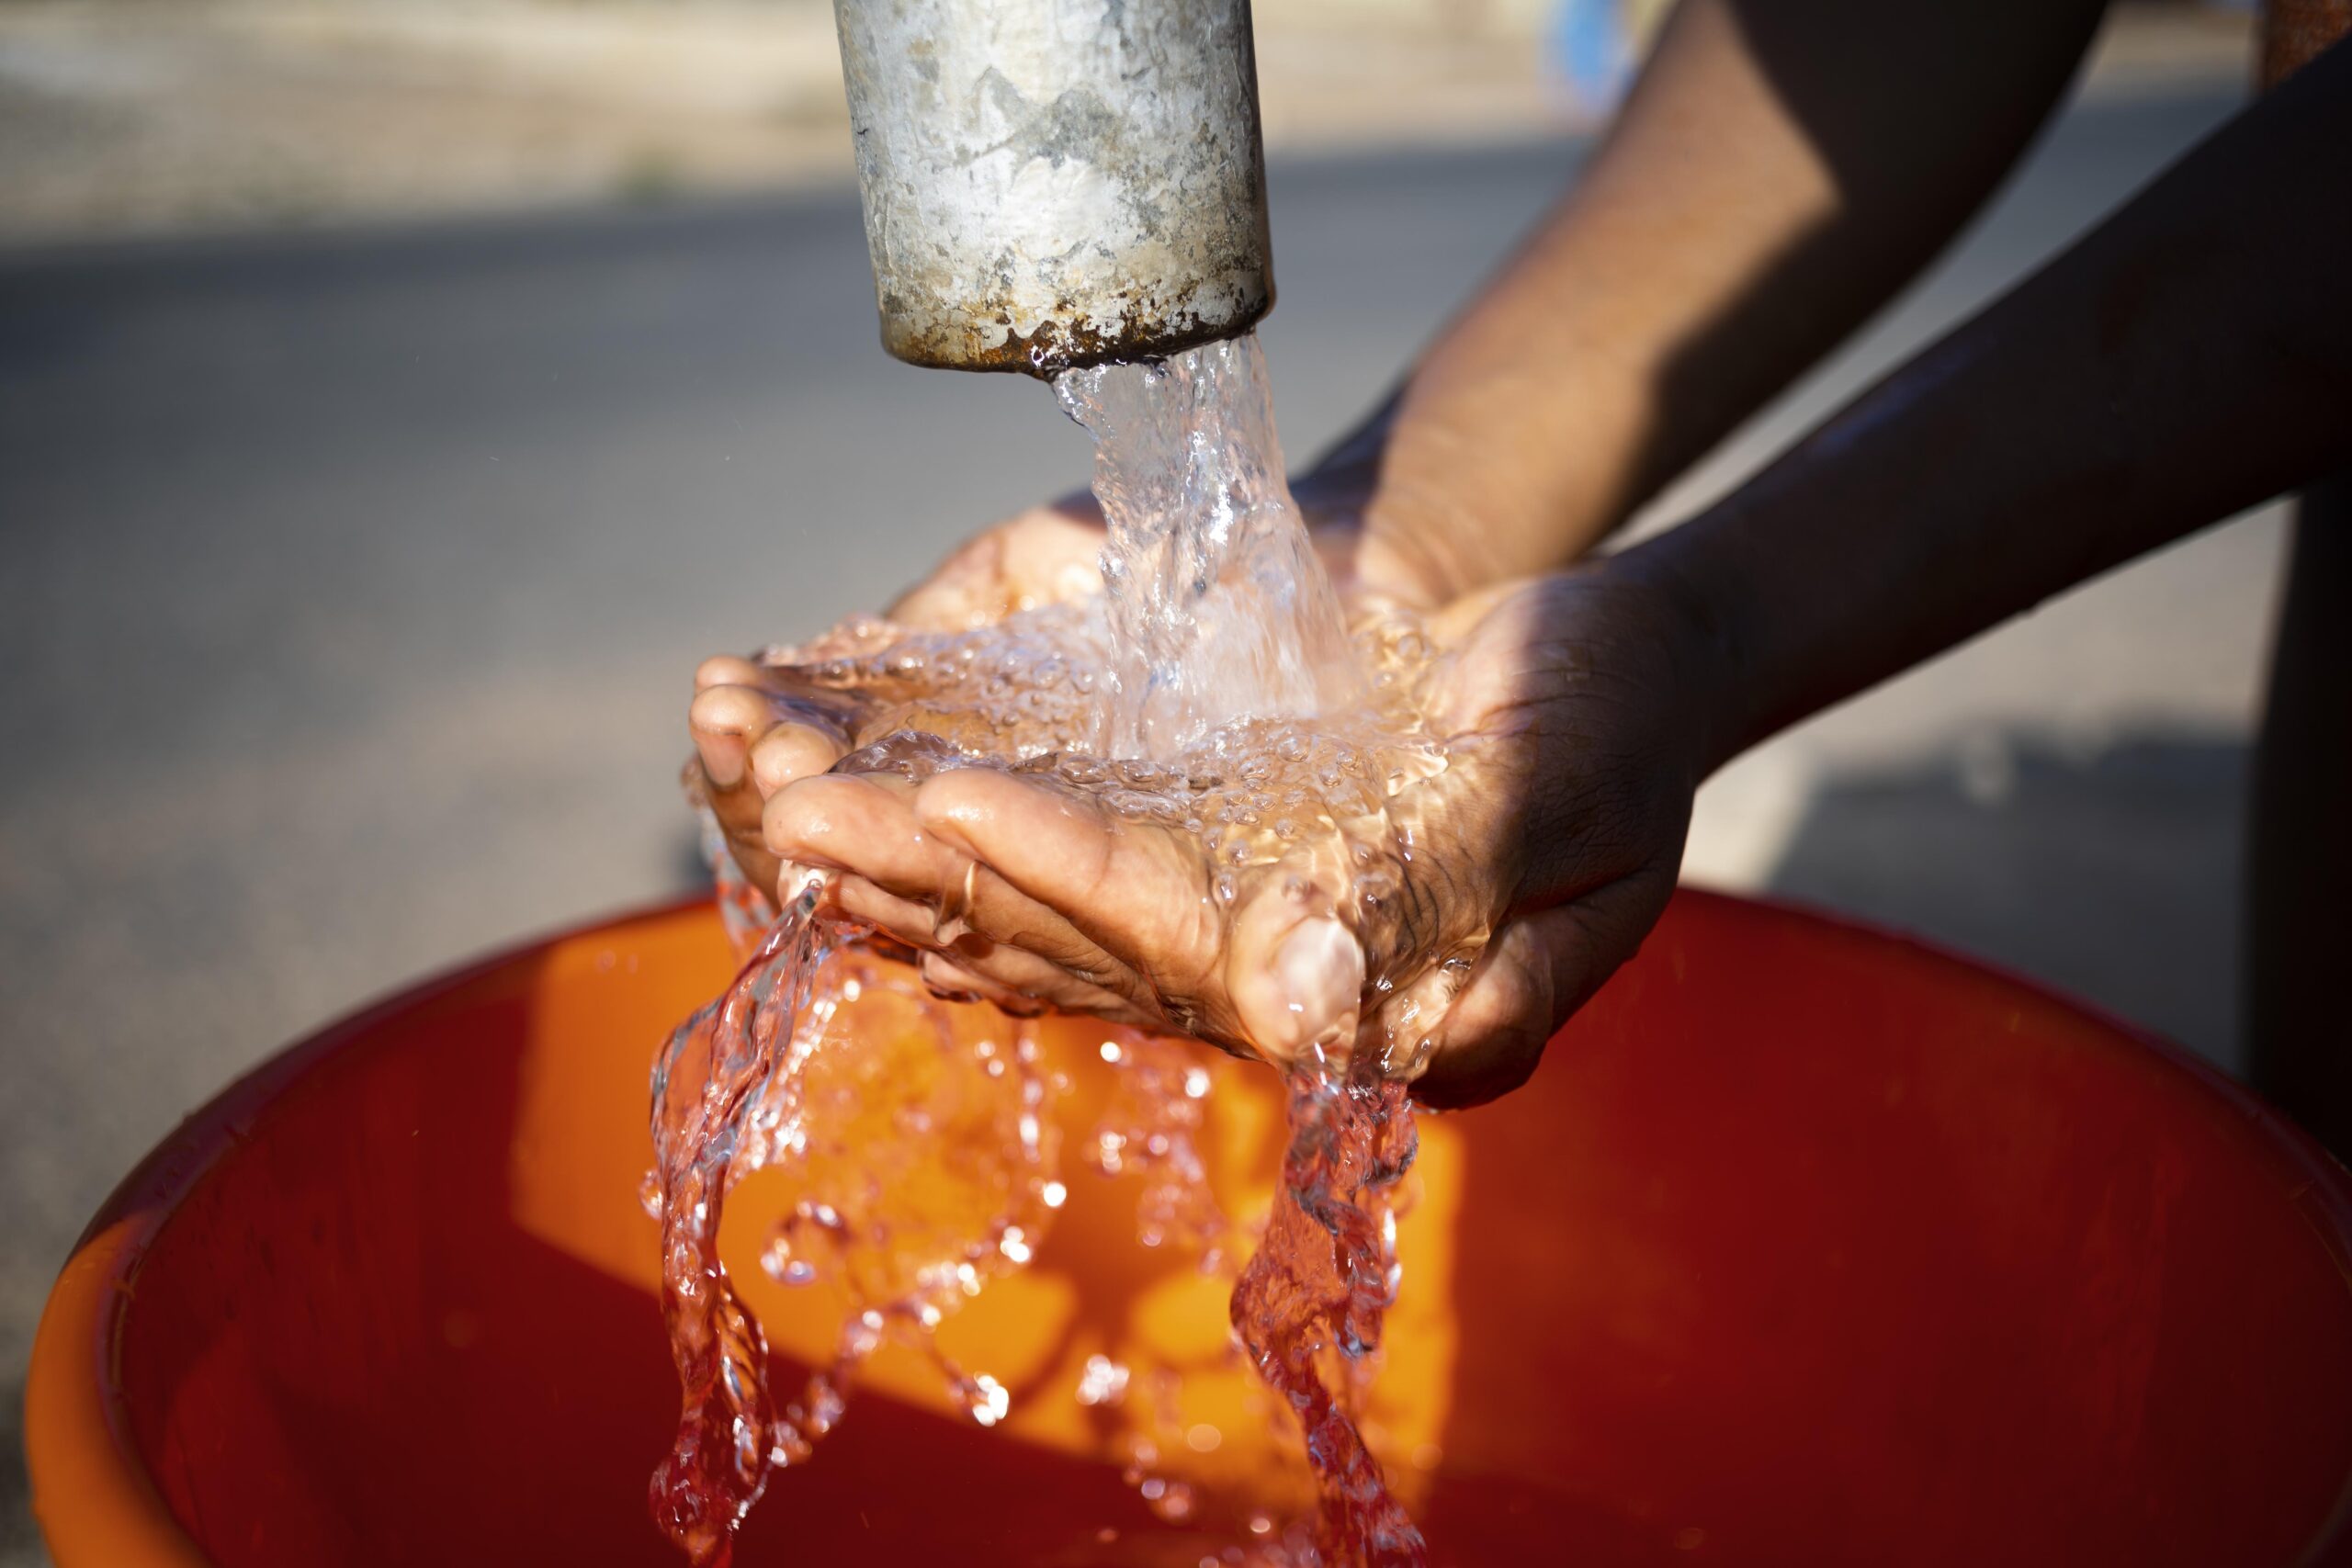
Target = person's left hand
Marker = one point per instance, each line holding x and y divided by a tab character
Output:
759	724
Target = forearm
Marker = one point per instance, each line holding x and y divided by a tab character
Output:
1783	167
2192	357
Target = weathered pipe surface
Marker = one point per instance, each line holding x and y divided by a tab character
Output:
1057	183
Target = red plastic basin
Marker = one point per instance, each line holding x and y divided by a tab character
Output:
1806	1246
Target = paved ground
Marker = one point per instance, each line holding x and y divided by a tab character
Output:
348	590
128	117
123	116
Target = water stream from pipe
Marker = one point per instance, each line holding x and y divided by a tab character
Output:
1215	689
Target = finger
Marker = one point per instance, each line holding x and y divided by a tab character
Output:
1014	979
773	671
861	824
789	684
724	720
1055	553
1295	973
1026	974
727	670
1291	975
1492	1034
1044	557
902	920
1535	974
793	750
919	926
945	981
1125	888
950	983
831	824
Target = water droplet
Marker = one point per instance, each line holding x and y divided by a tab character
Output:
1104	1382
989	1403
778	1262
1173	1501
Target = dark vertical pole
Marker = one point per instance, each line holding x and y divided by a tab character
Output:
2297	998
2298	971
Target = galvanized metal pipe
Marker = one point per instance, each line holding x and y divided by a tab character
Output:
1055	183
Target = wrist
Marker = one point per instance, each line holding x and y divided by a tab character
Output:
1704	641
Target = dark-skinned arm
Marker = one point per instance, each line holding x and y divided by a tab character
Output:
2190	358
1781	170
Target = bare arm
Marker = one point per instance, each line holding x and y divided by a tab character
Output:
1781	169
2192	357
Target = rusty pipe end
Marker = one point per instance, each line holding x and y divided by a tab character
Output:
1067	341
1050	184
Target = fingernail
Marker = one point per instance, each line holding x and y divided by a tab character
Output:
722	758
1318	976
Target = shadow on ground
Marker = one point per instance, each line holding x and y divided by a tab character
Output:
2107	870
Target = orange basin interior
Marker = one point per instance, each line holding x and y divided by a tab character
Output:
1805	1246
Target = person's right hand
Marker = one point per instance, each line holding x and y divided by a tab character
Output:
757	724
1578	710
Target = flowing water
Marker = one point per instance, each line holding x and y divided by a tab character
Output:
1217	609
1213	691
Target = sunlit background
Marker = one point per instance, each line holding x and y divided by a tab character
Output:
397	397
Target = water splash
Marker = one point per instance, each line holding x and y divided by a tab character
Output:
1318	1289
1218	610
1213	689
1152	1128
916	1140
714	1069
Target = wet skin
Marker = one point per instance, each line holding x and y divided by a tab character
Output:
2189	358
1004	885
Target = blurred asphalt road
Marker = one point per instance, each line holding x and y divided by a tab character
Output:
349	589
